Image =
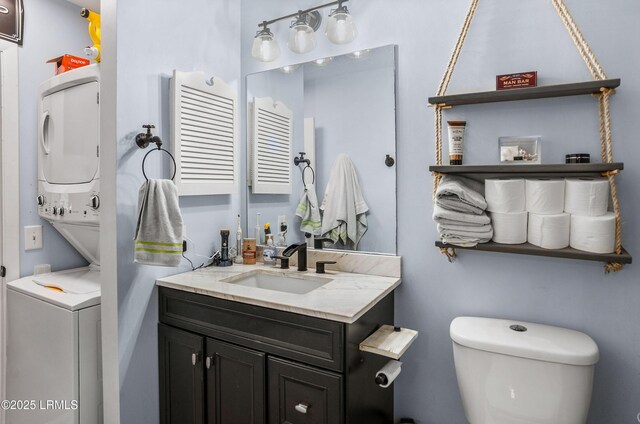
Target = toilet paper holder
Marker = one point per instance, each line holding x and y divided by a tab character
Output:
391	342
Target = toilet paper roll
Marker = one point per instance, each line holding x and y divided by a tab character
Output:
505	195
509	228
595	234
586	196
544	196
549	231
387	374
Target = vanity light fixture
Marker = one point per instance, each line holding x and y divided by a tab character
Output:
340	30
323	61
265	47
289	69
302	37
340	26
359	54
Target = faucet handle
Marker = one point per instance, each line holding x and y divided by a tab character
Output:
320	266
284	261
318	243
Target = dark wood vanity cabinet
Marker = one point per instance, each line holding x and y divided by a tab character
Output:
224	362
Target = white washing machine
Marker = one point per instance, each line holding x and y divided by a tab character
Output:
54	348
53	335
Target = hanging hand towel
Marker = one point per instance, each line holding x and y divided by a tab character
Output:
309	211
158	239
344	208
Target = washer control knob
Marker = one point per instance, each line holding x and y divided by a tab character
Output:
61	212
55	210
40	200
94	202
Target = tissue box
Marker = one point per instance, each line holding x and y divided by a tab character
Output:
68	62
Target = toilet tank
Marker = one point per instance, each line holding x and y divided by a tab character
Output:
512	372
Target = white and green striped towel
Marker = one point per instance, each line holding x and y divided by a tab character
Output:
158	238
309	211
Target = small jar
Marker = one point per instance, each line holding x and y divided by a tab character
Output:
249	251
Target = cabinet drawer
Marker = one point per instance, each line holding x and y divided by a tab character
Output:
306	339
303	395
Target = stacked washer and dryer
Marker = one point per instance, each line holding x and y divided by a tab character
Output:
53	338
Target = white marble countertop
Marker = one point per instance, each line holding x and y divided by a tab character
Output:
345	298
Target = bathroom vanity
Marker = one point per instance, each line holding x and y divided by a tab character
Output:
256	344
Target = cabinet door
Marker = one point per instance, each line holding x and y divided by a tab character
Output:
181	376
235	384
303	395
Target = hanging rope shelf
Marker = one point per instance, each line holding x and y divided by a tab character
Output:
603	91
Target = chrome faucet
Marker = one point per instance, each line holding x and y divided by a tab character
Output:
301	248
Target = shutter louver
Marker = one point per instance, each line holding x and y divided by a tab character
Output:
205	136
271	137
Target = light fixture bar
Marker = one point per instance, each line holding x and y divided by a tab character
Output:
264	24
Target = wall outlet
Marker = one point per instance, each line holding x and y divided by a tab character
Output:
281	219
32	237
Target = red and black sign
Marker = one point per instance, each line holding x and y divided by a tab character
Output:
11	20
522	80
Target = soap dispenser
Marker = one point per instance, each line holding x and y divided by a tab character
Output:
269	252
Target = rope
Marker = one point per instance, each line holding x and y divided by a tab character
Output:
449	252
578	39
444	84
446	78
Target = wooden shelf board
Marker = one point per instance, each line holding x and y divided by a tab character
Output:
387	342
537	169
545	91
529	249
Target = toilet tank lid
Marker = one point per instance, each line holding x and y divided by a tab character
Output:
525	340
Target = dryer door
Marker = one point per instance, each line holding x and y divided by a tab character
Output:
69	134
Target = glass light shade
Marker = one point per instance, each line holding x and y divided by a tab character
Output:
265	47
302	39
340	27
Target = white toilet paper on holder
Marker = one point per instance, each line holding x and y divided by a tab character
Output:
549	231
509	228
545	196
505	195
595	234
586	196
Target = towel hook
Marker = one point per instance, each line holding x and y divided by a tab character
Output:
144	139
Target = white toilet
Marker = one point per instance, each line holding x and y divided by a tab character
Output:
513	372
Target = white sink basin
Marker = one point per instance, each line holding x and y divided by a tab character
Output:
278	281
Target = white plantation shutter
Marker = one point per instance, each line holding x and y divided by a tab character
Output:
271	141
205	138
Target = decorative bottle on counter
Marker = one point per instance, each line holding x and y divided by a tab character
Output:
269	251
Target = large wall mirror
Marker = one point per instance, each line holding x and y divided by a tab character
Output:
341	112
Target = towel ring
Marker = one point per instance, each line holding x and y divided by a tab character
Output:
144	139
313	176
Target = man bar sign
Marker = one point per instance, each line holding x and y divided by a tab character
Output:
11	20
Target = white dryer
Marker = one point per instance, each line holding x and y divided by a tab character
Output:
53	335
69	157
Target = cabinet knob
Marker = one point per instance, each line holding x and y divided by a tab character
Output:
195	357
302	408
208	362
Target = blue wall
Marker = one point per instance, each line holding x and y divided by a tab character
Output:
152	42
506	36
52	28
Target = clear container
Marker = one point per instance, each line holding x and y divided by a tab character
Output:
519	150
